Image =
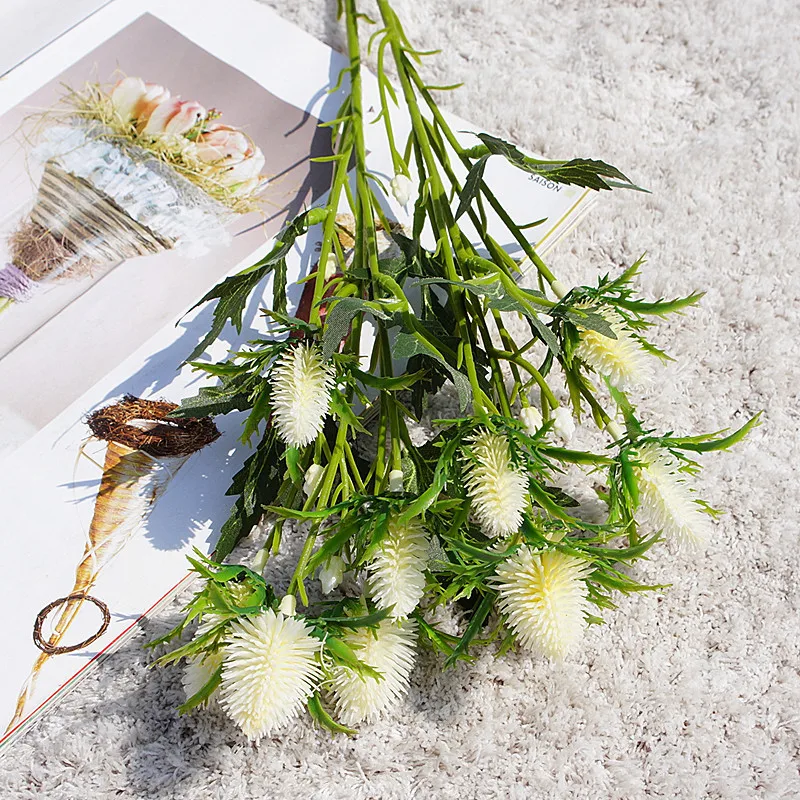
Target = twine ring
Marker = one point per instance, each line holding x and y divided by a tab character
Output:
52	650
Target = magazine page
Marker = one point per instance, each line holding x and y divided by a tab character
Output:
101	524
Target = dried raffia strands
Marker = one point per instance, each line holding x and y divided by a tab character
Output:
143	454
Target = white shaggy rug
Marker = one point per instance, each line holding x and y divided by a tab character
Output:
691	694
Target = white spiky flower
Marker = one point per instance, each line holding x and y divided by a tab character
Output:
397	573
388	649
199	669
301	394
665	499
544	596
622	360
269	670
498	490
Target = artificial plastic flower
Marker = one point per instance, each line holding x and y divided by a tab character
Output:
397	572
269	670
563	423
301	394
531	419
396	480
312	478
498	489
665	499
544	596
331	574
402	188
622	360
288	605
390	650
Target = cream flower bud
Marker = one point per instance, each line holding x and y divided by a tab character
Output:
623	360
559	289
402	188
531	418
331	574
260	560
312	479
397	573
389	649
396	480
331	266
563	423
288	605
614	430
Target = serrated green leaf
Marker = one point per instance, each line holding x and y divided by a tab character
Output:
340	317
407	345
583	172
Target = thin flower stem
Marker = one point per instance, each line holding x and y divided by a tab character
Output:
438	200
513	229
296	584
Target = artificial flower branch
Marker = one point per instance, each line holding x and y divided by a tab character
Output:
466	514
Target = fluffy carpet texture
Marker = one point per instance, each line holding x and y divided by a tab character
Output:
694	693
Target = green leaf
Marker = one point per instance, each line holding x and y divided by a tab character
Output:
323	718
481	287
262	408
394	384
407	345
476	553
365	621
233	292
591	321
437	638
232	395
344	411
204	693
345	655
472	630
279	278
339	319
707	443
660	307
583	172
438	482
471	185
331	547
257	484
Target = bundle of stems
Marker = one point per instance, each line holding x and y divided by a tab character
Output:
472	517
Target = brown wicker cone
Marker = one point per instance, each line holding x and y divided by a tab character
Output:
144	451
72	220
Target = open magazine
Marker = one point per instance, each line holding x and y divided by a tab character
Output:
97	526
